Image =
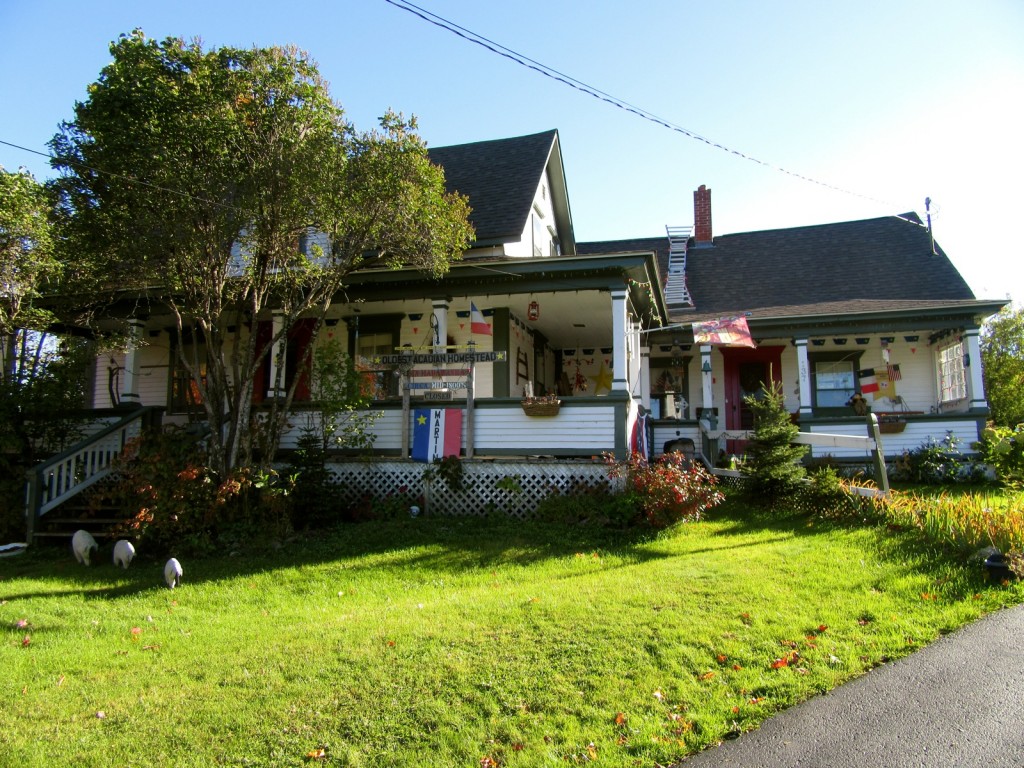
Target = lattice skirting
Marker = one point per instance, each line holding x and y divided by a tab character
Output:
515	488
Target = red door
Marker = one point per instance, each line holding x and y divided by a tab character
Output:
746	372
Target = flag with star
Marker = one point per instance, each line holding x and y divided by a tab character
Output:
436	433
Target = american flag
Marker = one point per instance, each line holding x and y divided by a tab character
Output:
894	372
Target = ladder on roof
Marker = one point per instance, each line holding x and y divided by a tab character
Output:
676	292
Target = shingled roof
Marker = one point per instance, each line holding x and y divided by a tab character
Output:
872	265
500	178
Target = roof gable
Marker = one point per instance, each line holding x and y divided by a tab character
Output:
501	177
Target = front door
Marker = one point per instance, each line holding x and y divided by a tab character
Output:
746	372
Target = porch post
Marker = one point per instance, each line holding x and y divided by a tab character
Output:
804	372
707	390
130	389
645	378
975	379
277	358
619	371
439	325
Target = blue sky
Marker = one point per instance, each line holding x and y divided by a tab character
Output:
892	100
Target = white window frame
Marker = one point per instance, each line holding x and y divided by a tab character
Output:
951	374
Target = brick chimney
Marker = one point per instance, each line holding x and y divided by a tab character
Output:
702	216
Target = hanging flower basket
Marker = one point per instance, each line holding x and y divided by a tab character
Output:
541	406
889	427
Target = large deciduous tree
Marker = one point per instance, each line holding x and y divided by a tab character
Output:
1002	355
194	173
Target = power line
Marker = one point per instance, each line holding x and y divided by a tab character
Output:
590	90
116	175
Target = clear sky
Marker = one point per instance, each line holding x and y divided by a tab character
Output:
893	100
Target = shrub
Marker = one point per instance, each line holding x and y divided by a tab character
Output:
174	502
589	504
1002	448
937	462
668	490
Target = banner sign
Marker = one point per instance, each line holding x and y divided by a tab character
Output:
725	331
441	357
437	433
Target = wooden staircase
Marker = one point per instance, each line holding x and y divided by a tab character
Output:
56	502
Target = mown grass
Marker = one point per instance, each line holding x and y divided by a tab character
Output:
462	642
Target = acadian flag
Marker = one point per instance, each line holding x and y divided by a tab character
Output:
436	433
725	331
868	380
477	324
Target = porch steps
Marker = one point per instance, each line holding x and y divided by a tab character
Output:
91	511
677	294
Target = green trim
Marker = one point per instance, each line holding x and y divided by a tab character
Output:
500	341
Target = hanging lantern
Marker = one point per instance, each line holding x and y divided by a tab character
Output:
533	312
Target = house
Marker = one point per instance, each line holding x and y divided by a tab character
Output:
872	308
534	315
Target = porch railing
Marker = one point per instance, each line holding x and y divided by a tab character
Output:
65	475
872	444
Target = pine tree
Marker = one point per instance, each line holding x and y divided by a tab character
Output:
773	460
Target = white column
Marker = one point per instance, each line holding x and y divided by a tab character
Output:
619	373
803	367
130	385
706	378
975	379
645	378
439	325
277	357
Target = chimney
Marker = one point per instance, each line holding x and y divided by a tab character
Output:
702	216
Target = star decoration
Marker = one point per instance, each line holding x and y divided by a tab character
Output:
421	420
603	379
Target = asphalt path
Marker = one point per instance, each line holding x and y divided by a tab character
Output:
957	703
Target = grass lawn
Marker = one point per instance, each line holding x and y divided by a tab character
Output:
461	642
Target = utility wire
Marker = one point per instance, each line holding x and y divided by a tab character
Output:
116	175
590	90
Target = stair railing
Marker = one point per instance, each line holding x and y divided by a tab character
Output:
59	478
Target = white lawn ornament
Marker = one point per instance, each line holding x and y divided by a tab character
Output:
172	573
124	551
83	545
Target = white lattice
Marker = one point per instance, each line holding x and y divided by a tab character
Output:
515	488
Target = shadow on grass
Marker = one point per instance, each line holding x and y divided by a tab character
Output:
446	545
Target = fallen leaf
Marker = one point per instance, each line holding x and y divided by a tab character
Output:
823	627
150	647
317	754
518	746
779	664
60	681
534	599
737	667
706	675
26	641
391	643
592	751
101	715
488	762
620	718
735	710
745	618
927	596
659	695
136	631
722	658
21	623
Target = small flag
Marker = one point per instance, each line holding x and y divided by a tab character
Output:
436	433
868	381
477	324
894	372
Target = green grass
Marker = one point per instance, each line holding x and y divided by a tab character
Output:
454	642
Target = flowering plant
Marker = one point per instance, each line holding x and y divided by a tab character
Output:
667	490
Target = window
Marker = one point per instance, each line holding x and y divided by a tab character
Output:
834	383
952	380
378	380
371	337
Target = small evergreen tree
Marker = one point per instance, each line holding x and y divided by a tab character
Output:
772	463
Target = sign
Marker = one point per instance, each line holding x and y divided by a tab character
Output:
424	373
437	432
437	394
441	357
438	385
